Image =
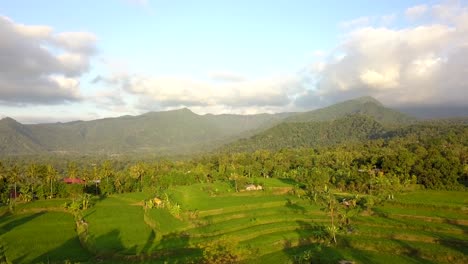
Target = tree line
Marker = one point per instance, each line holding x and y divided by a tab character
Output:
430	155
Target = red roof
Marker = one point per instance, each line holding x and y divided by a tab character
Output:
73	181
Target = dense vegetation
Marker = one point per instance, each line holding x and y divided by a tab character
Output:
360	185
431	154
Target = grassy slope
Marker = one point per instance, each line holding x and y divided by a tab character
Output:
271	226
40	237
116	225
420	227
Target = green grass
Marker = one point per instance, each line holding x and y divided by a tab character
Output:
40	237
419	227
435	198
116	224
51	204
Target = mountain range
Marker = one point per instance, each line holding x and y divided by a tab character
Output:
182	131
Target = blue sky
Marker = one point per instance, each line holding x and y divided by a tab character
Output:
129	57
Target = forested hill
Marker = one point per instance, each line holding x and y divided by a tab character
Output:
363	105
184	132
311	134
162	133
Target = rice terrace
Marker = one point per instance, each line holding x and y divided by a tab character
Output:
234	132
269	226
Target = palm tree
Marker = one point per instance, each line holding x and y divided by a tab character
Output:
51	176
33	172
137	171
106	170
14	177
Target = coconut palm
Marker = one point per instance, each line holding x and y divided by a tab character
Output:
51	177
137	171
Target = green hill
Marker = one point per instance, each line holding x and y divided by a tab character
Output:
16	138
184	132
311	134
363	106
170	132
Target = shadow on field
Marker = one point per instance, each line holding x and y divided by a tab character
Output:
295	207
110	244
149	242
175	247
23	220
412	252
71	251
288	181
455	244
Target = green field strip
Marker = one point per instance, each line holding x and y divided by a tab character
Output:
280	240
42	204
250	206
177	241
266	212
233	228
164	222
410	223
445	199
115	226
333	255
443	214
205	203
439	253
41	237
240	223
360	225
410	235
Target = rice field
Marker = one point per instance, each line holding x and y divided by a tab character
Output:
273	226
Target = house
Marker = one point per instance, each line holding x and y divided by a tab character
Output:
253	187
73	181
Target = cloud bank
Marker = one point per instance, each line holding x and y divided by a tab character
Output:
420	65
38	66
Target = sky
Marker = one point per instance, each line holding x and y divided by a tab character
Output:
82	60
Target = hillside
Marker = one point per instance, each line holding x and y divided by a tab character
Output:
363	106
169	132
184	132
311	134
16	138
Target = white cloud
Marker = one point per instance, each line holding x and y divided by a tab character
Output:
238	96
38	66
424	64
416	12
81	42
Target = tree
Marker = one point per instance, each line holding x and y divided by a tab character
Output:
51	177
137	171
33	173
327	199
15	173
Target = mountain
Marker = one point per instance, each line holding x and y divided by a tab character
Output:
350	128
170	132
184	132
364	106
16	138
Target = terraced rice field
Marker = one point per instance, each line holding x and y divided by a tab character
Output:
272	225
